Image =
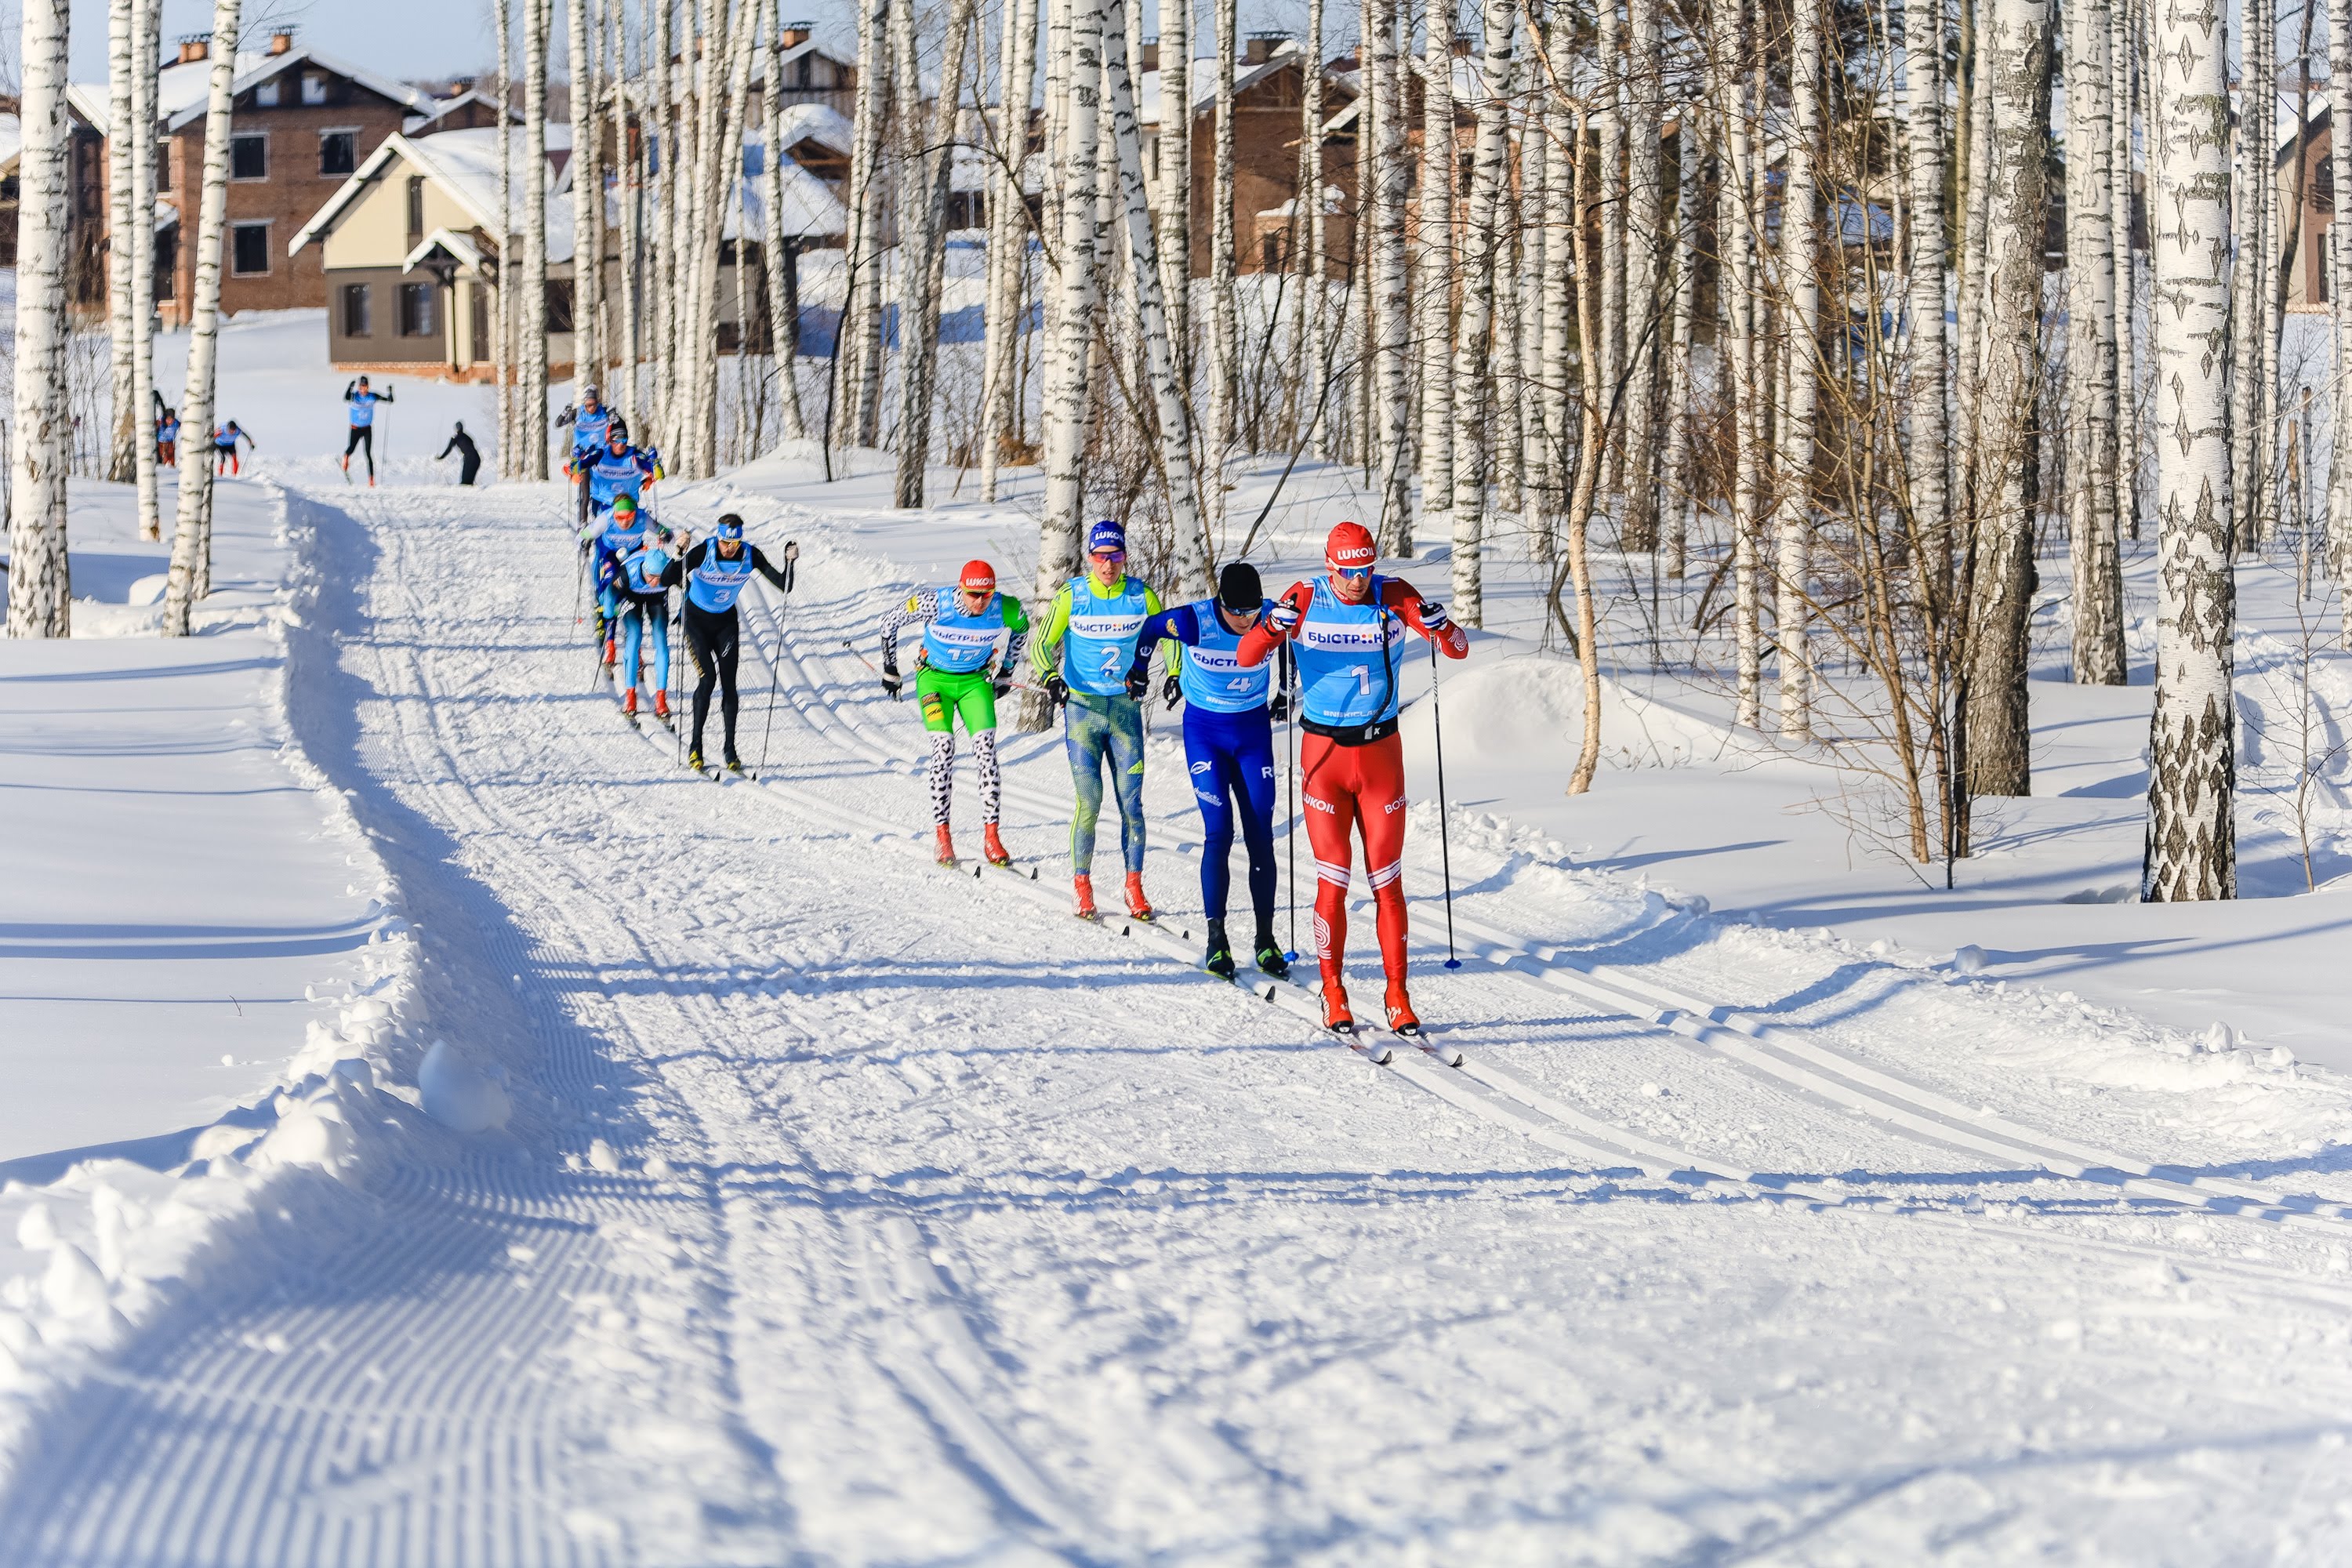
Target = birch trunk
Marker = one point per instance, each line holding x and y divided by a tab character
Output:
720	184
859	331
2251	502
783	301
1742	378
1175	151
1534	392
1801	277
2122	56
2250	166
1607	129
1508	432
1558	220
587	196
121	239
1681	486
918	338
1224	324
502	366
661	293
191	572
1391	303
1313	290
1473	369
1434	281
1066	412
1008	244
2339	300
40	582
2098	640
530	424
1588	471
1928	461
2192	851
146	45
1191	563
2013	59
1646	271
630	145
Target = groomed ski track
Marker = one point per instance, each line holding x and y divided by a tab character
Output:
853	1211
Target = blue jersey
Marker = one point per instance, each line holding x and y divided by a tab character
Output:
621	473
641	571
362	407
588	426
1347	658
618	539
1210	671
958	644
716	583
1102	635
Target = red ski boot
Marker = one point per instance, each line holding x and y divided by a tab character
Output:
1138	906
1401	1017
629	701
946	849
1337	1017
993	846
1083	885
661	704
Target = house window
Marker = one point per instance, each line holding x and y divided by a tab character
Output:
559	305
248	155
358	321
167	263
314	88
339	151
415	208
416	309
266	95
2327	258
250	249
755	160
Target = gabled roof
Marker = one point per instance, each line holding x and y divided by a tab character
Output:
816	122
183	90
92	103
465	165
445	107
457	245
1203	83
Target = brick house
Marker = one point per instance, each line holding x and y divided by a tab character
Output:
302	122
2307	287
86	117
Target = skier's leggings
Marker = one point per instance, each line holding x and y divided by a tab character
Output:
983	760
362	435
644	621
1098	730
1231	761
1358	789
714	640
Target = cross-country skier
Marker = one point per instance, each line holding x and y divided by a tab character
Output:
363	402
167	438
972	638
588	421
1344	628
1229	747
620	533
224	440
1083	656
615	469
715	573
470	457
641	589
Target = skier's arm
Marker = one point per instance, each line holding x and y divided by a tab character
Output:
1045	651
1016	622
1425	617
350	389
447	449
759	564
920	609
1179	627
385	395
1276	627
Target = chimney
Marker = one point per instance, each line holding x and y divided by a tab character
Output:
281	41
1260	47
1151	60
195	47
796	34
1461	46
460	86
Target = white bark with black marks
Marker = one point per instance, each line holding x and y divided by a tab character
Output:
1473	369
1801	288
925	253
146	43
191	574
40	585
531	422
2098	630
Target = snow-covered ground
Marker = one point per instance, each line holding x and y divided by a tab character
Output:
714	1179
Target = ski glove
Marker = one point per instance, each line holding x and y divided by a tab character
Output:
891	680
1279	709
1058	689
1433	617
999	685
1171	691
1283	617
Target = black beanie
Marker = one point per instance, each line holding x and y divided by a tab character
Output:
1239	590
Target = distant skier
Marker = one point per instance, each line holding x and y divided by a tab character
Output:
363	402
1083	655
589	423
615	469
167	438
224	440
470	458
715	573
620	533
641	594
1344	628
1229	747
972	638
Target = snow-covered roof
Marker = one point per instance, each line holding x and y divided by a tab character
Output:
814	122
182	90
460	246
90	101
464	164
422	125
1202	83
811	210
12	138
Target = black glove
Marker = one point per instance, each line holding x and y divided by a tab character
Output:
1279	709
1171	691
1138	681
1000	685
891	680
1058	689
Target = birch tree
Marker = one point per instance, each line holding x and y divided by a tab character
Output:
1176	175
1435	254
1740	376
531	421
1680	480
2122	55
2014	56
2191	847
1646	259
1801	280
121	239
508	318
1392	324
1928	462
191	573
2339	297
40	584
858	335
1225	317
1472	369
146	44
2098	631
783	298
1008	240
1310	266
919	307
587	197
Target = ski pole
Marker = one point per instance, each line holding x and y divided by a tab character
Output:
1290	685
677	636
775	680
1444	846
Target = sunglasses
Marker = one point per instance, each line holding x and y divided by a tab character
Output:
1353	574
1110	554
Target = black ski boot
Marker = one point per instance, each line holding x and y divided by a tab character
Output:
1270	960
734	762
1220	962
693	759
